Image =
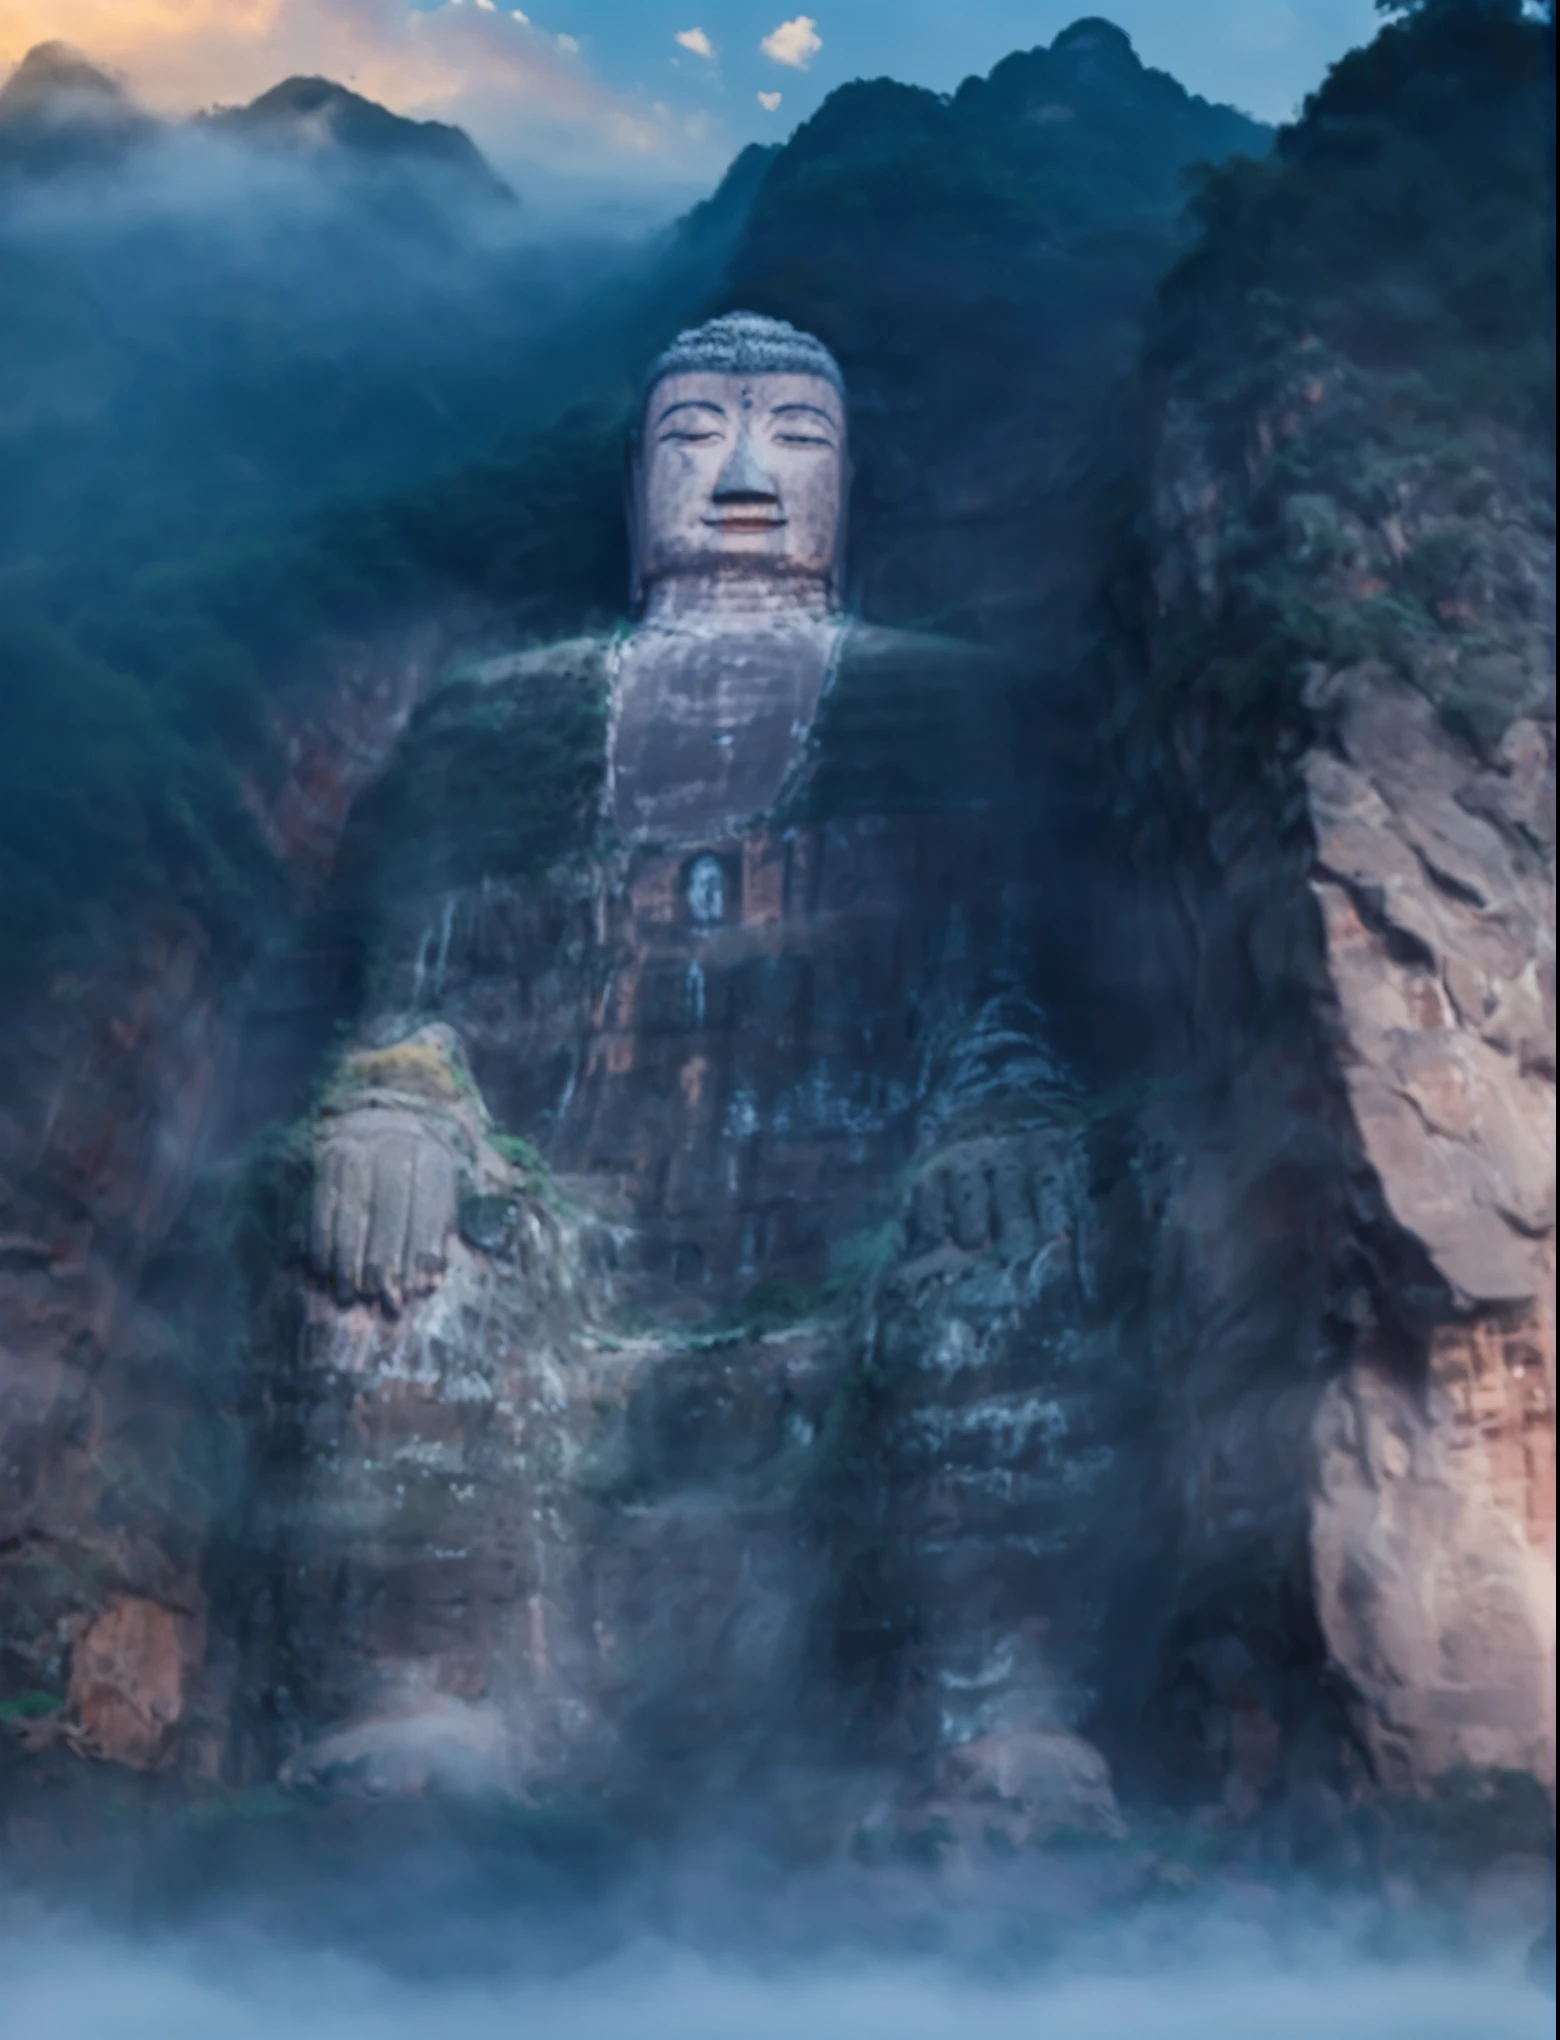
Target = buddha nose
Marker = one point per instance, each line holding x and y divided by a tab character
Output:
744	478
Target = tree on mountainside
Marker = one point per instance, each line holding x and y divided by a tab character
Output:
1365	326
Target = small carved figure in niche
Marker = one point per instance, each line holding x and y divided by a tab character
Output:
706	892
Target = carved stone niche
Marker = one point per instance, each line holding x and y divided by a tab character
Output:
711	890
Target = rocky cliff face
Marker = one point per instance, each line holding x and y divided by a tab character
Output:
1346	663
1356	1213
125	1080
962	1308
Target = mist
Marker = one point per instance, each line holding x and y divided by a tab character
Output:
1219	1985
213	331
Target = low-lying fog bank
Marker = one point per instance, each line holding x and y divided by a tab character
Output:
73	1985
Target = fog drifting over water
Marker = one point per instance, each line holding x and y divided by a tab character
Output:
70	1985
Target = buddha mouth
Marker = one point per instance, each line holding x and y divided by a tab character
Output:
745	520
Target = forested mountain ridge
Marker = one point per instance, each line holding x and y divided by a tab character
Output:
314	114
59	113
981	265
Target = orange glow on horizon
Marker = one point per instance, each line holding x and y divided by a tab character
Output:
481	66
116	32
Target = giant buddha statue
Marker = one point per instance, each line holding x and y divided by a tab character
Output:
751	747
666	924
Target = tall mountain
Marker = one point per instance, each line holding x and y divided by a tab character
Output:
58	111
316	118
61	112
230	307
981	265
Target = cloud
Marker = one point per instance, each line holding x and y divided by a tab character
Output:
696	40
769	101
795	43
486	66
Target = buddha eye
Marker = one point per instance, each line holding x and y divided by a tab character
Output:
803	439
688	437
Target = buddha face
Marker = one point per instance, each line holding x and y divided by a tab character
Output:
741	472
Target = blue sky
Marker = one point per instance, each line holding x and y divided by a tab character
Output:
732	71
653	95
1260	55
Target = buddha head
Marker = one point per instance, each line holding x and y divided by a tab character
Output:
740	473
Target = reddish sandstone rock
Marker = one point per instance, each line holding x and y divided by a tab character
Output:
130	1680
1359	1240
119	1074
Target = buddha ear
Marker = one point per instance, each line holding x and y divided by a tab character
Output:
837	570
634	518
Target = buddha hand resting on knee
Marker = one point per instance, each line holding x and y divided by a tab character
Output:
400	1139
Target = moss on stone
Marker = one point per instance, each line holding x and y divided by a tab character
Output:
912	723
29	1706
499	778
420	1067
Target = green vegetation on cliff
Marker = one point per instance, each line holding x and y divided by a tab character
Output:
981	265
138	720
1406	219
501	781
260	455
1357	360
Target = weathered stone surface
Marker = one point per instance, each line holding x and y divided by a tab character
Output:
527	1453
120	1078
400	1136
1371	968
337	749
1000	1441
1440	942
131	1675
1434	1552
1433	1544
115	1080
707	728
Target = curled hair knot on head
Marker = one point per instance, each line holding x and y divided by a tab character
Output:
745	343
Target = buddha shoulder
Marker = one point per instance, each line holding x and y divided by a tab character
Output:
910	719
876	653
501	768
503	688
543	700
